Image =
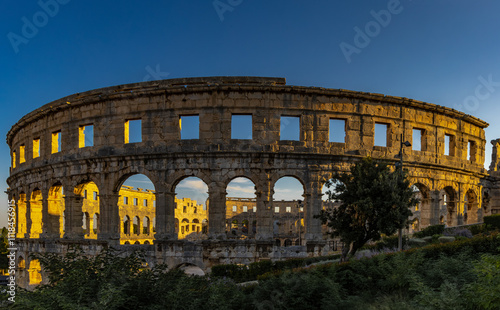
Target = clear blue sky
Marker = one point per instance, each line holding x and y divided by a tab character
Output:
435	51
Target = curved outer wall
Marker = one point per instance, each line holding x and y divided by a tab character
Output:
217	159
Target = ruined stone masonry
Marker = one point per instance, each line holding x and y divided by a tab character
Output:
71	157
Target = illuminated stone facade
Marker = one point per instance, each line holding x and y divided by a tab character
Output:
89	137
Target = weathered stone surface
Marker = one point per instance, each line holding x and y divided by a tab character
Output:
454	188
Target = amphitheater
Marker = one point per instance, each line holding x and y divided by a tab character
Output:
71	157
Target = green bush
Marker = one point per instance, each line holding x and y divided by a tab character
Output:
430	231
492	220
243	273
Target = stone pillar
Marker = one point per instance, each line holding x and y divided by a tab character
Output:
432	218
165	216
312	206
217	211
264	212
28	215
109	218
73	216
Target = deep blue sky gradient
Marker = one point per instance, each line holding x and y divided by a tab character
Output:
435	51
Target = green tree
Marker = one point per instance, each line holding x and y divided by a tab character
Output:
374	201
4	261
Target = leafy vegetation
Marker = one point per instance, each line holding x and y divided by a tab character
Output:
374	201
461	275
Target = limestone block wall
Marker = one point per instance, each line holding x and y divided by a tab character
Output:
48	152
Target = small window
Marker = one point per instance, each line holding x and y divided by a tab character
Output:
125	200
471	151
22	157
189	127
337	130
417	139
276	209
381	134
133	131
86	136
85	194
288	209
290	128
95	195
136	201
245	209
36	147
145	202
56	142
241	127
254	209
13	159
235	208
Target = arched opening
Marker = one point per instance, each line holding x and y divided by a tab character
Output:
288	242
21	216
137	200
126	225
196	226
241	208
55	204
191	269
145	226
422	211
184	228
35	272
90	193
86	224
448	204
470	207
135	225
191	205
288	208
36	213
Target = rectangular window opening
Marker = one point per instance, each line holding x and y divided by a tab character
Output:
276	209
133	131
417	139
381	131
290	128
56	142
254	209
14	159
145	203
36	147
189	126
245	209
136	201
125	200
95	195
235	208
86	136
241	126
471	151
337	130
288	209
22	155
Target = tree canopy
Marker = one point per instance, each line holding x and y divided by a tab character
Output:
373	200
